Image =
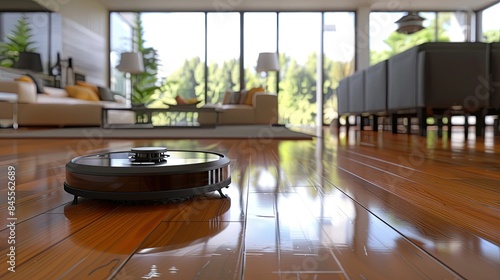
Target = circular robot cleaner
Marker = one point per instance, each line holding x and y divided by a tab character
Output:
147	174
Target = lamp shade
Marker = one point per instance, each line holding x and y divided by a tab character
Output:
29	61
267	62
410	23
131	62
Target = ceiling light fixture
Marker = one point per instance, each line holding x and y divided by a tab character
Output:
410	23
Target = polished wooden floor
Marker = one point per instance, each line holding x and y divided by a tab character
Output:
347	205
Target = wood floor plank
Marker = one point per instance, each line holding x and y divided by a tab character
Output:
46	230
189	250
433	198
96	251
355	205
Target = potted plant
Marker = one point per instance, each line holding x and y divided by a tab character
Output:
142	94
18	41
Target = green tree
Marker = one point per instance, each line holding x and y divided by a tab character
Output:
491	36
397	42
144	85
222	77
187	81
297	92
334	71
20	40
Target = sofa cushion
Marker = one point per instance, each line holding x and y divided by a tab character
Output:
227	97
249	98
93	87
55	92
105	94
81	92
243	97
236	114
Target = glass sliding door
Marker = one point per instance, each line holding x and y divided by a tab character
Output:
338	59
223	54
299	47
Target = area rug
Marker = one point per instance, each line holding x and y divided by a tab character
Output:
230	131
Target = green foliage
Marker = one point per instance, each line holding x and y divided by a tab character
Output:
491	36
397	42
144	85
20	40
297	94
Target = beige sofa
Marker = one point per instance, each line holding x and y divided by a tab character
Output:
263	110
55	108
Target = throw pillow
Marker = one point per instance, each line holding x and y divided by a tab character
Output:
105	94
82	92
193	100
227	97
25	79
180	100
235	98
251	93
88	85
243	97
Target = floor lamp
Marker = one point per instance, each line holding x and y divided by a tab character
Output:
130	63
267	62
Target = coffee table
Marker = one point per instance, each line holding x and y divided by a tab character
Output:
147	174
148	112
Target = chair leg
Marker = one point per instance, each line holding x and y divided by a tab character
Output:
374	123
466	126
480	123
496	122
422	122
394	125
439	121
449	124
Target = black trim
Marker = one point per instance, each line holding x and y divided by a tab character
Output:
139	196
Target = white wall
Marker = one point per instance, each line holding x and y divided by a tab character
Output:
85	29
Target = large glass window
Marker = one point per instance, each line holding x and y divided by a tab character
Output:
439	27
260	33
491	24
452	26
120	41
223	53
338	48
386	42
299	46
179	39
182	63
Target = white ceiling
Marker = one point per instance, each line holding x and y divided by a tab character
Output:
292	5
